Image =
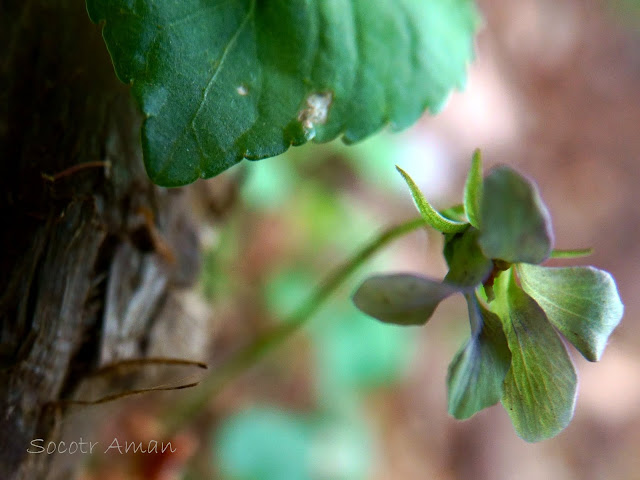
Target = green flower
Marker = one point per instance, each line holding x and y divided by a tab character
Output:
493	246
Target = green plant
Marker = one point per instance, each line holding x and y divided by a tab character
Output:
220	82
268	444
493	244
223	81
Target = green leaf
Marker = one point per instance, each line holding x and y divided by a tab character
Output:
540	387
402	299
219	81
467	264
516	226
430	214
582	302
264	443
473	190
477	372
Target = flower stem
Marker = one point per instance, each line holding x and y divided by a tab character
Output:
190	407
577	253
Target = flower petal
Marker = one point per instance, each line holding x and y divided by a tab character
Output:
516	226
582	302
402	299
477	372
540	387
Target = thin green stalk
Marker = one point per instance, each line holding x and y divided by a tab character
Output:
189	408
577	253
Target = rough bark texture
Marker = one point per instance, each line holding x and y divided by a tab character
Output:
88	254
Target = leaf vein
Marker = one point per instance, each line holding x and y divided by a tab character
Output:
214	76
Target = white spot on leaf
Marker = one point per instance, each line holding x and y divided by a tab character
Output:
316	112
242	90
153	100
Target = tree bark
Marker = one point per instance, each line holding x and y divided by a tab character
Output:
89	248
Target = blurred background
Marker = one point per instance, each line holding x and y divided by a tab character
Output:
554	91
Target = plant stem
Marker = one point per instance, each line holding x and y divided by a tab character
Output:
577	253
186	410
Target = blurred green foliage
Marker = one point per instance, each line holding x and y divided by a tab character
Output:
351	355
267	443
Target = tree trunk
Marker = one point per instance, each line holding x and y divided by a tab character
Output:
89	247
